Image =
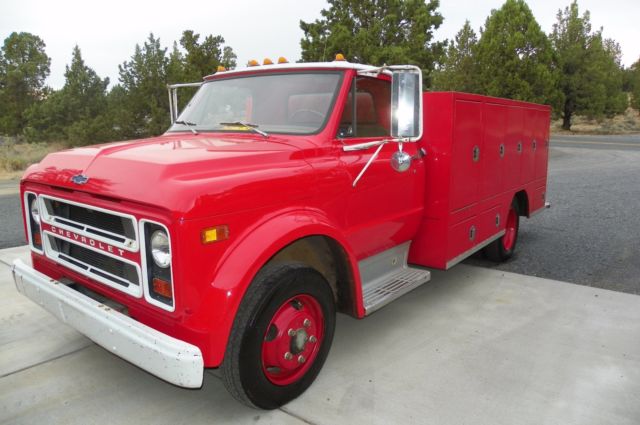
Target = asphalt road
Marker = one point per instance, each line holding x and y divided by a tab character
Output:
590	236
11	229
625	142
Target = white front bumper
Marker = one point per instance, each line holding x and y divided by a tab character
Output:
175	361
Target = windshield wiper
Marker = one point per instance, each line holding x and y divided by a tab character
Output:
248	126
189	124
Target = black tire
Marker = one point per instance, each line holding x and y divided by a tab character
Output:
502	249
272	290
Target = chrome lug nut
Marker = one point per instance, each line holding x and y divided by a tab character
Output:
291	332
306	323
301	359
313	339
288	356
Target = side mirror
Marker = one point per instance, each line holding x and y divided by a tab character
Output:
400	161
406	103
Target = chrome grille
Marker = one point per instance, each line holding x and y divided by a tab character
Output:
88	223
115	272
112	227
93	219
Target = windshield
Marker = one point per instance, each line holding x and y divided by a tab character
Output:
291	103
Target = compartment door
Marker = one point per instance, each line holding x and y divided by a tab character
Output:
465	163
541	136
528	152
513	148
495	120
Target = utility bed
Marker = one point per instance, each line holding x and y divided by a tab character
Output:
480	152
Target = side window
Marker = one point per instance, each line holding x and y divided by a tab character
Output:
372	114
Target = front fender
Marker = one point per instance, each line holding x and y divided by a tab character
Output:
246	255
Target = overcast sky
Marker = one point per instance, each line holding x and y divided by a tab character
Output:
107	32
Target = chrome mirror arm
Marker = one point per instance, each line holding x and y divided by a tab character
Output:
364	146
368	145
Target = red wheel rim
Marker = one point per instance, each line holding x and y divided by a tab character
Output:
292	340
511	230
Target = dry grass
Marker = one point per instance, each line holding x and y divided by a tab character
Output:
629	122
15	157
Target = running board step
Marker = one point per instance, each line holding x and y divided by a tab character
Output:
383	291
386	276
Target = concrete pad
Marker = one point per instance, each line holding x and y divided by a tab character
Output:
93	386
486	347
472	346
28	334
7	255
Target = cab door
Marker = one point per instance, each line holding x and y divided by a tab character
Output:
384	207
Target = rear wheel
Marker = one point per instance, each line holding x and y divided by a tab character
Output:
503	248
281	336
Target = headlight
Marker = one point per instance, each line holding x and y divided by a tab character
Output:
160	250
35	211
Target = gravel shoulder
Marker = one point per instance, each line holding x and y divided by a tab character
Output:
9	186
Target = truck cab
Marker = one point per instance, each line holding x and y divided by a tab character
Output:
280	195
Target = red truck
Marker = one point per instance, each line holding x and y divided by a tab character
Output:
282	194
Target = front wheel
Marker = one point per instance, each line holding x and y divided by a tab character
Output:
281	336
503	248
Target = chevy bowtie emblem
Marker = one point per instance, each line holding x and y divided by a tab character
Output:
79	179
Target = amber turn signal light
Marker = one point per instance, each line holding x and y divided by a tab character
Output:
162	287
214	234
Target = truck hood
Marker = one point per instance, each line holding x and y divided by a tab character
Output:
181	173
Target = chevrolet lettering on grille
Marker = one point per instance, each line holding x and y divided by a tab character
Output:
87	241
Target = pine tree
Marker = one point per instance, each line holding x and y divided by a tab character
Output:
375	32
634	84
176	66
144	80
591	73
616	101
204	58
84	99
458	70
76	113
24	67
142	92
515	58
